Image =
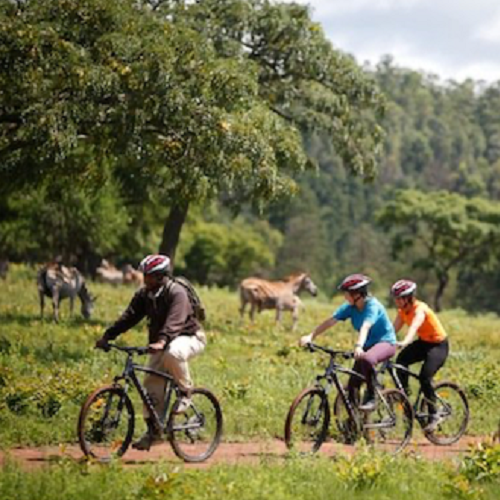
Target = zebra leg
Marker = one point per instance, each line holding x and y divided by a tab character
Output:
278	315
252	311
295	317
55	304
71	305
242	308
42	303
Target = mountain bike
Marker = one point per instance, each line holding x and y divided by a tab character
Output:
307	423
452	406
107	418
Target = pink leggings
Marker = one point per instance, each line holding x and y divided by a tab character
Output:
365	365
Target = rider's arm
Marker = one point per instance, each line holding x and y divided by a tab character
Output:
363	333
306	339
398	323
135	311
413	329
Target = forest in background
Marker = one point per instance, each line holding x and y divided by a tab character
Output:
428	211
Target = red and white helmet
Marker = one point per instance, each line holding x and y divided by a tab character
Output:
354	282
155	263
403	288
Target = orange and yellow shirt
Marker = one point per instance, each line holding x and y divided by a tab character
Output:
431	329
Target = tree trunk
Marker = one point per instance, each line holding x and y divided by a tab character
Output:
442	283
172	231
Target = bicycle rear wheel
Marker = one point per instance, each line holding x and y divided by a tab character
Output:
106	423
390	425
307	422
196	433
452	409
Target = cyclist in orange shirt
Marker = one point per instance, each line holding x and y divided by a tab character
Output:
431	347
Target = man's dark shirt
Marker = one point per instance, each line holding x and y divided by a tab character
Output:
168	310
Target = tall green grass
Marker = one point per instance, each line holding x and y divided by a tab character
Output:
364	475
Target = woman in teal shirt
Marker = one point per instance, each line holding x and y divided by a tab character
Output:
376	340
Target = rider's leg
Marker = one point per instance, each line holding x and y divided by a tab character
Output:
376	354
155	387
412	353
176	358
435	359
354	384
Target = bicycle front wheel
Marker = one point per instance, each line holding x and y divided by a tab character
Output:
307	422
347	427
390	425
196	433
106	423
452	409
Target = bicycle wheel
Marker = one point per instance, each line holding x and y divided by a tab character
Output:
348	429
196	433
106	423
390	425
307	422
452	409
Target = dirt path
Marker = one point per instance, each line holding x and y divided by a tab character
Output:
232	453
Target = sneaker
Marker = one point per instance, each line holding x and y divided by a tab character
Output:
183	405
433	424
369	403
147	440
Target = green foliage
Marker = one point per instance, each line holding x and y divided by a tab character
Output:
363	471
221	254
454	231
309	478
62	218
482	463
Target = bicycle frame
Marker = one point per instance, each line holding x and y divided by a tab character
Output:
129	375
332	377
393	368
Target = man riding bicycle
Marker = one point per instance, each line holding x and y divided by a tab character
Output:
431	347
376	340
175	336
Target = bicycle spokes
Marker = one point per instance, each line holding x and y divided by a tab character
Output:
195	433
452	411
106	424
390	425
307	422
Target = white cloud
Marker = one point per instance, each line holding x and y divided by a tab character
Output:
452	38
490	31
338	7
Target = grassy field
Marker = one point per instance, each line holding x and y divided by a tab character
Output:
46	371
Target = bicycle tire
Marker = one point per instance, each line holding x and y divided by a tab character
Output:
295	437
445	434
190	437
390	425
96	436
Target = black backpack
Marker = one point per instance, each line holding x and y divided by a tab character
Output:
194	299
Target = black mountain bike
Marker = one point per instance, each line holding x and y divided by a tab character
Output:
451	405
307	423
107	417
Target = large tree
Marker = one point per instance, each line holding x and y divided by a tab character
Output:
442	232
203	102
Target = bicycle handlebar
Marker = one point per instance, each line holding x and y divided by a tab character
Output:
141	351
315	347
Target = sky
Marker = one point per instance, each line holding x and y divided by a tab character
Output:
454	39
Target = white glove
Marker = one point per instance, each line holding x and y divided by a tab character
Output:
306	339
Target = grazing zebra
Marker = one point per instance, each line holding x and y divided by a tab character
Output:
59	282
280	295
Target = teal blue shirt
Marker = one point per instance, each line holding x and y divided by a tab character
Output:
373	312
